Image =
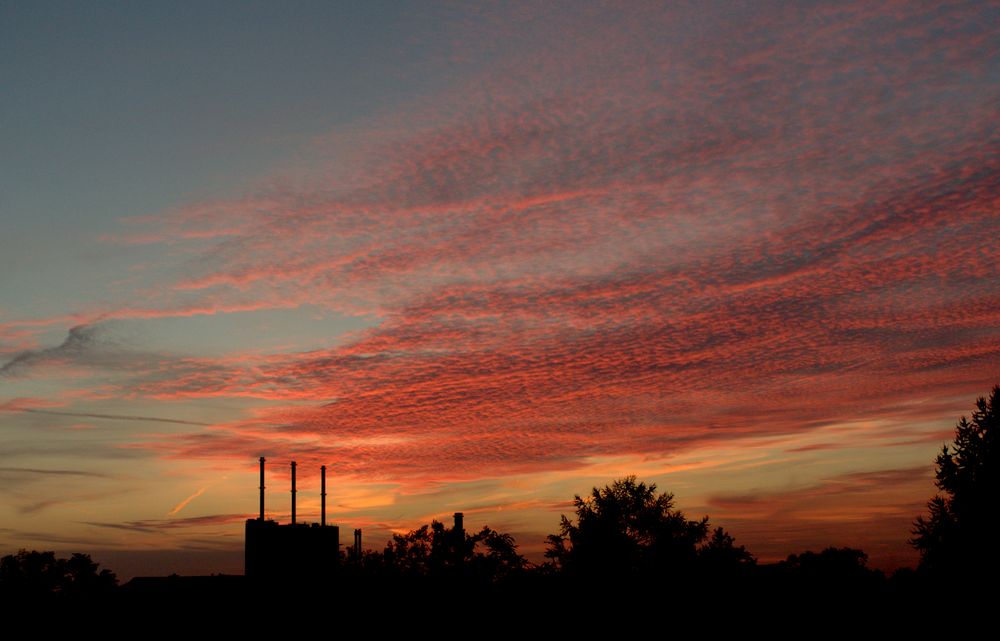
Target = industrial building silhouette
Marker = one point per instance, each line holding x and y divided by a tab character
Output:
298	550
273	550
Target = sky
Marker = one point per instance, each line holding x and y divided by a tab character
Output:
482	257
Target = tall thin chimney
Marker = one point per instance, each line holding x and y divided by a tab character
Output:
262	488
458	522
322	495
293	492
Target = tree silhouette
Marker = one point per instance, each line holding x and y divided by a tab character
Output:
28	576
440	552
956	537
831	576
423	551
721	553
499	561
626	528
840	565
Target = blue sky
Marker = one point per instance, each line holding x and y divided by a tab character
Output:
481	258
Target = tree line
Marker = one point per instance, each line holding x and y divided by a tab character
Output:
629	530
627	533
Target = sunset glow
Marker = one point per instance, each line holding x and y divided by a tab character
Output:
483	258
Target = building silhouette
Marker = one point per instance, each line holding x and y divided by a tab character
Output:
293	550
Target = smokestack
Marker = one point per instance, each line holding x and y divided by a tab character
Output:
262	488
357	543
458	522
322	495
293	492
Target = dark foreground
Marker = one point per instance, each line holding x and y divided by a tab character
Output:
774	598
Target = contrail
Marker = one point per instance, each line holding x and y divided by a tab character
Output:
34	470
113	417
180	506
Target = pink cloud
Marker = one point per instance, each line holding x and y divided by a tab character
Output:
612	243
